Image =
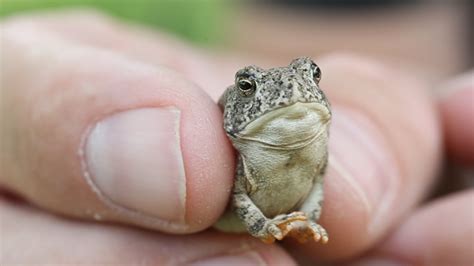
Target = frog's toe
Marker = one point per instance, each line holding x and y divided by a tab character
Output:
273	232
276	232
319	233
281	225
307	231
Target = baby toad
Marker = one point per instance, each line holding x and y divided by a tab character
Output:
278	120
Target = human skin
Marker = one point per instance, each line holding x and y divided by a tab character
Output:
62	75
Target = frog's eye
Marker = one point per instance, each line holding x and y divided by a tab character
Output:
316	72
246	86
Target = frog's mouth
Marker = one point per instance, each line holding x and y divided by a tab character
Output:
289	127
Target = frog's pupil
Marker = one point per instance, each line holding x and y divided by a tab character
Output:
317	73
245	85
316	70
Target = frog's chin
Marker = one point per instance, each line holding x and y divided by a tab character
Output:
288	127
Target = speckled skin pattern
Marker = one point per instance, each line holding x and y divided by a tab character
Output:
278	120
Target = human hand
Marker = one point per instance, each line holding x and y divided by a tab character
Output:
95	128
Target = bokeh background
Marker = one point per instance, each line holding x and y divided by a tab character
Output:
433	38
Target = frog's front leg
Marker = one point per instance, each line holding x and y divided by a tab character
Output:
312	208
255	221
260	226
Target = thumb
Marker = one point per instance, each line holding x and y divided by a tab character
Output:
90	134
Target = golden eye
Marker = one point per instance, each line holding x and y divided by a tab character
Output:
246	86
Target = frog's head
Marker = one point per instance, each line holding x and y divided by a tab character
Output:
260	96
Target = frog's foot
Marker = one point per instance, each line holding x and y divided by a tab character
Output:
310	230
281	225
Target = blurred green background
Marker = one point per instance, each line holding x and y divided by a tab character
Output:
200	21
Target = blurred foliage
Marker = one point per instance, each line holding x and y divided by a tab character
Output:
201	21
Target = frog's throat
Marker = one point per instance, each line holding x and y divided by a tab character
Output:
301	143
291	127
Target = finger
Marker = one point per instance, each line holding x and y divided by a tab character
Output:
456	104
96	135
44	239
440	233
384	151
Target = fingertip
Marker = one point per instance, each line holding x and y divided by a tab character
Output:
168	166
